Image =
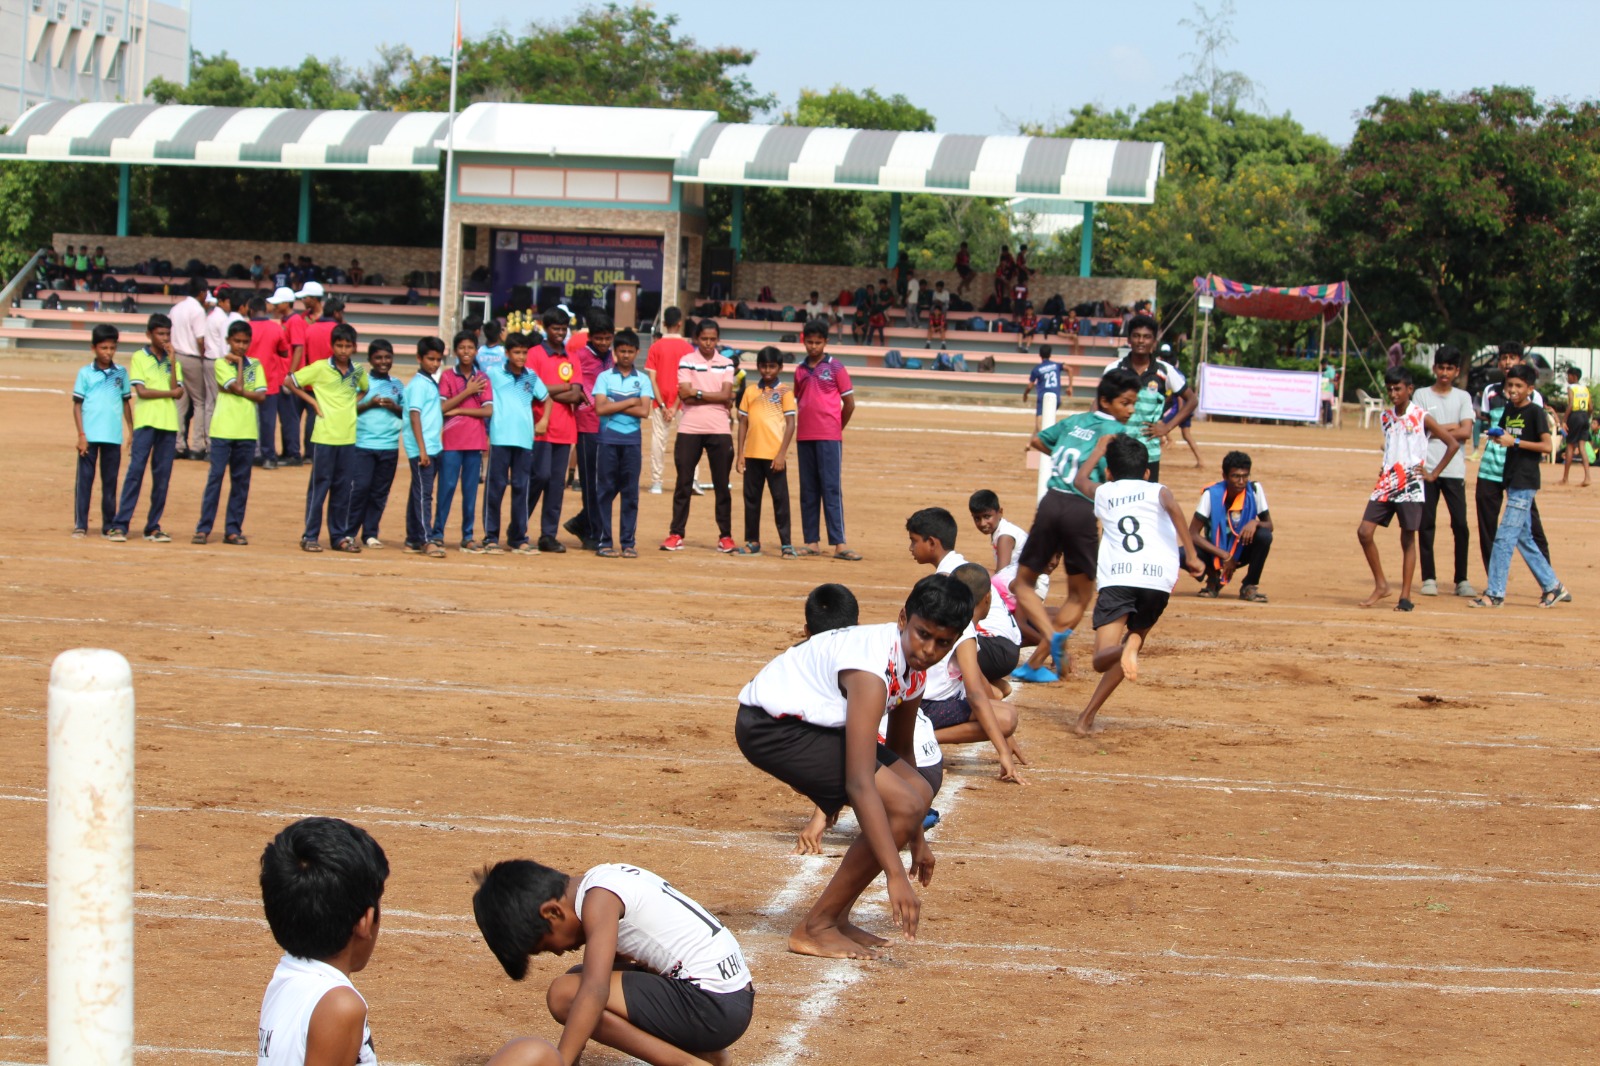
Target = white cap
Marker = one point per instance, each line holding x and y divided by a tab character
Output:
312	289
211	299
284	295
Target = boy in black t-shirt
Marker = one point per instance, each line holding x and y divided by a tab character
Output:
1524	432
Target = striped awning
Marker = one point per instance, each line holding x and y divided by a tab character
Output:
954	164
265	137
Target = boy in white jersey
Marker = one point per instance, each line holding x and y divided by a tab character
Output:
661	980
958	699
1399	491
321	882
1141	530
810	718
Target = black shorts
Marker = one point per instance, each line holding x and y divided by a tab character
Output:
933	775
997	656
1064	523
1381	511
1141	607
684	1014
1578	425
946	713
808	758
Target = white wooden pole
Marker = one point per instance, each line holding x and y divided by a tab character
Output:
1046	420
90	860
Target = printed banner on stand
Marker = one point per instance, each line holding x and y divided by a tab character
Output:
1243	392
574	261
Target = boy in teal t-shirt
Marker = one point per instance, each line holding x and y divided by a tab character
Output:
512	428
99	408
1064	523
622	397
235	428
423	436
339	385
379	418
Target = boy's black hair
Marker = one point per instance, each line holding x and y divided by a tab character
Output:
1114	383
600	322
1574	372
831	606
1142	322
318	877
1522	372
198	286
379	345
472	323
555	317
1044	351
814	327
492	331
935	523
517	340
430	344
1509	348
625	338
975	578
1398	375
671	316
942	601
334	306
506	906
104	332
157	321
1447	355
700	326
463	335
239	326
1235	461
769	355
344	331
257	306
983	500
1126	458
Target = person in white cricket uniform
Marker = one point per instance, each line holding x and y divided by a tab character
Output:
1141	532
661	976
321	882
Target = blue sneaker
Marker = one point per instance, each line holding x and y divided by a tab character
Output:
1058	648
1042	675
931	820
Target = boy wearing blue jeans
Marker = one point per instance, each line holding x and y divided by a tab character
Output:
157	382
378	418
100	405
511	431
468	404
622	398
235	428
424	420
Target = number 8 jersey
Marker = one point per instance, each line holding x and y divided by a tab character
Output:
1138	545
666	931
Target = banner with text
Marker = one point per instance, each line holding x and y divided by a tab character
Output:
1292	395
574	261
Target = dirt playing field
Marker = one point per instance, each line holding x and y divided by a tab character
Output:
1310	834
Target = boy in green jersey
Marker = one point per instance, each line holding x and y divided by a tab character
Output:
235	428
1064	522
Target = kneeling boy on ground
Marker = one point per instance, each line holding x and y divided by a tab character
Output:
958	700
1232	528
661	980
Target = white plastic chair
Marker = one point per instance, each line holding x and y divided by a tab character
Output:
1371	407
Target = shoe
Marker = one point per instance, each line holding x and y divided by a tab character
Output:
931	820
551	544
1039	675
472	547
589	544
115	536
293	460
270	464
1464	588
525	548
202	456
1209	591
1487	600
258	461
571	526
411	548
236	539
158	537
655	488
433	550
199	538
1430	588
1559	594
492	547
673	543
372	542
726	546
79	534
696	489
1058	648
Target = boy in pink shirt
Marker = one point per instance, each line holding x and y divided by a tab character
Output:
705	388
824	396
465	438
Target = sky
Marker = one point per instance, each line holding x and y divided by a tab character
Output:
1038	61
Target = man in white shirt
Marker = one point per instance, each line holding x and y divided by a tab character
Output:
200	392
913	294
1452	409
815	308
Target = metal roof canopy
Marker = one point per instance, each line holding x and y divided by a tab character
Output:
259	137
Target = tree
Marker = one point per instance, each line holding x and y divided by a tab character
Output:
219	81
867	110
1224	90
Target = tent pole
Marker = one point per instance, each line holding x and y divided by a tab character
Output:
893	257
1205	341
1344	361
1086	242
122	199
1322	341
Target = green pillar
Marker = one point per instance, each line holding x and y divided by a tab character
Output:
894	230
736	224
122	199
1086	243
304	233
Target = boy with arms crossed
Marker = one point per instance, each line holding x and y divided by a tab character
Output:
810	718
379	419
1137	562
1452	409
422	436
339	384
661	979
235	428
766	429
622	400
512	427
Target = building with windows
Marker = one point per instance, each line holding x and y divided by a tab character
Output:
88	51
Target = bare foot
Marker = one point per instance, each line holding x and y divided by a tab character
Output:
861	936
1130	661
827	943
1083	728
1379	592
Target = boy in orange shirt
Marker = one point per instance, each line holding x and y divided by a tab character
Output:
766	428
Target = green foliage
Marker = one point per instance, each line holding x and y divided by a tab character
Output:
43	198
219	81
846	109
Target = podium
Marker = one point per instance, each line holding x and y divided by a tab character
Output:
625	304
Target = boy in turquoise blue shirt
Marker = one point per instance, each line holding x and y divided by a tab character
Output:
378	423
622	396
100	406
511	432
423	436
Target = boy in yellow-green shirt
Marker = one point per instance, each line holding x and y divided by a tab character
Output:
157	380
339	386
235	427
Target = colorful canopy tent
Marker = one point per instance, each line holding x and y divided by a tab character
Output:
1297	303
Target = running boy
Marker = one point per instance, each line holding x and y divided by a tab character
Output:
1577	424
339	384
468	405
1406	431
810	718
379	418
766	428
424	423
321	886
157	382
100	406
623	397
661	979
235	428
1137	563
512	428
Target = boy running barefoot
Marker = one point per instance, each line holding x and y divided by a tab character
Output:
661	979
810	718
1406	431
1141	532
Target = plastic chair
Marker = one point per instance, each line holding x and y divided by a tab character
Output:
1371	407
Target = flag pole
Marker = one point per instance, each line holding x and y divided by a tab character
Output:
449	174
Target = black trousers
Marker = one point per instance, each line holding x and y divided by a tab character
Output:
1252	556
686	452
1487	498
1453	490
758	473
